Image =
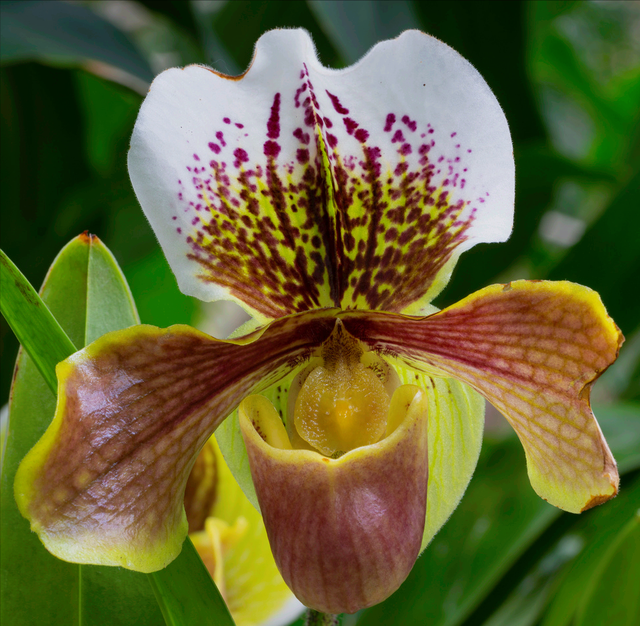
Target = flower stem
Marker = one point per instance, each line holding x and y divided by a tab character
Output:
315	618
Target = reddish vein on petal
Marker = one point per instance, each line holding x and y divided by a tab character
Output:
533	349
105	484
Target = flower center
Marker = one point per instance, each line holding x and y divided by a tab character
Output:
341	400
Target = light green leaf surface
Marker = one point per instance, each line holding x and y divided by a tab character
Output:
87	293
31	321
67	33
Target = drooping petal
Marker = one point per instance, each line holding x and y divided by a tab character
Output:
106	482
456	426
295	186
344	532
533	349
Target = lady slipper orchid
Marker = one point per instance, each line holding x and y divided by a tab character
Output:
332	205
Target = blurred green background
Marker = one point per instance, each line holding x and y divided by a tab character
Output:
567	74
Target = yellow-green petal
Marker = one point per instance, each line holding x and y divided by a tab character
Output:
533	349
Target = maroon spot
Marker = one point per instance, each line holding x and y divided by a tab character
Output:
214	147
336	104
241	155
453	134
179	231
401	168
391	235
273	125
431	131
332	140
309	118
220	138
196	157
361	135
328	123
195	220
299	91
302	155
350	125
226	120
391	119
271	149
175	217
410	123
239	125
301	136
469	151
405	149
397	137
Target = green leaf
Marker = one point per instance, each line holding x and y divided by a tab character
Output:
87	292
68	33
32	322
82	290
186	593
611	596
602	532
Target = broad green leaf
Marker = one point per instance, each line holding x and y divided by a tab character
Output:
589	568
67	33
82	290
611	597
32	322
602	532
86	290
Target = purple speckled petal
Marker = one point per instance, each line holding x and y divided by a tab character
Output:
295	186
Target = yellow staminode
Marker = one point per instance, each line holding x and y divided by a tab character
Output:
343	402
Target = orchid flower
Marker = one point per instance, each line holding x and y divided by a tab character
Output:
332	205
